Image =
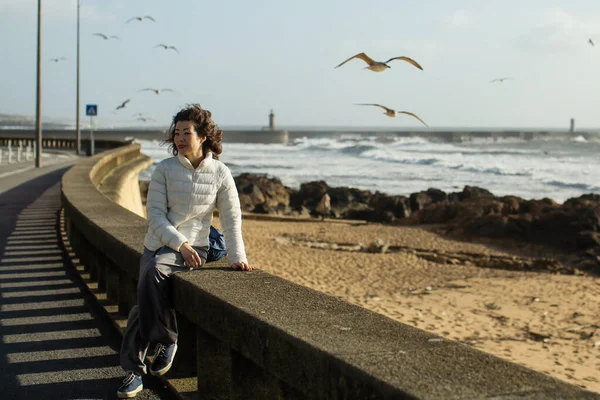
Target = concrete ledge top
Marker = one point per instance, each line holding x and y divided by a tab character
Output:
283	326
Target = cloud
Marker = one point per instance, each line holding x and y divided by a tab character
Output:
560	31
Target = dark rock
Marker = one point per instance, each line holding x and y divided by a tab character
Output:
587	239
309	195
561	226
345	198
512	204
371	215
470	192
255	190
586	200
246	202
419	201
537	207
398	205
458	212
436	195
494	226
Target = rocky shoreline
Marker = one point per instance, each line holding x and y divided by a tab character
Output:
573	226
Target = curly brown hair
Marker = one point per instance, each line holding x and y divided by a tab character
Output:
204	126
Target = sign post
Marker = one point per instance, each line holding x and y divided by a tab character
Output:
92	111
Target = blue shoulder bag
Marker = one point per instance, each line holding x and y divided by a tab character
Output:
217	248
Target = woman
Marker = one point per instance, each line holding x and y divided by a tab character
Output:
182	195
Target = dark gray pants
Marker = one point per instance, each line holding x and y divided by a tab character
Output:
153	318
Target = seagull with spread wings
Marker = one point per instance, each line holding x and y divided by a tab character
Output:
141	19
57	59
123	104
106	37
166	47
379	66
157	91
144	119
500	79
392	113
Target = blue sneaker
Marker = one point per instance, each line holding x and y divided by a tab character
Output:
163	359
132	385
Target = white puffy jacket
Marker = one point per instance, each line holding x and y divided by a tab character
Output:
181	201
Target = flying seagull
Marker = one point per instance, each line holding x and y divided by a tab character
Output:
392	113
105	37
141	19
164	46
145	119
57	59
590	41
157	91
500	79
379	66
123	104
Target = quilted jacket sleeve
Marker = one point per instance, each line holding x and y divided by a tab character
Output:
156	210
230	215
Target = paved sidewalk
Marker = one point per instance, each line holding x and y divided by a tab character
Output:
49	158
53	345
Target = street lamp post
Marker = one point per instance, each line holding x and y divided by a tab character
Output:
38	121
78	130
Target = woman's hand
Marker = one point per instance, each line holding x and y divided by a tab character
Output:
190	256
242	266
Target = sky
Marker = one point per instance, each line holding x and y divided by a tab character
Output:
240	58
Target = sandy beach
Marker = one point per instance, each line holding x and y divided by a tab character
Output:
547	322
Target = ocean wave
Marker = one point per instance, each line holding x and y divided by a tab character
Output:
261	166
493	171
577	186
357	149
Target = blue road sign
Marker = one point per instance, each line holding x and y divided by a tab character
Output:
91	110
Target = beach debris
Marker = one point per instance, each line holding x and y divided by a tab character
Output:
538	337
492	306
378	246
379	66
392	113
435	340
342	328
500	318
455	286
532	299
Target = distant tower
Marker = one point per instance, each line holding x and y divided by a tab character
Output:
572	129
272	121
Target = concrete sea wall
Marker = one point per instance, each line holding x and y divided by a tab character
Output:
257	336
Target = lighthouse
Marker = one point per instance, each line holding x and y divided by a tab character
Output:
272	120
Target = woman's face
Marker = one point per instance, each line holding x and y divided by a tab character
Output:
186	139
